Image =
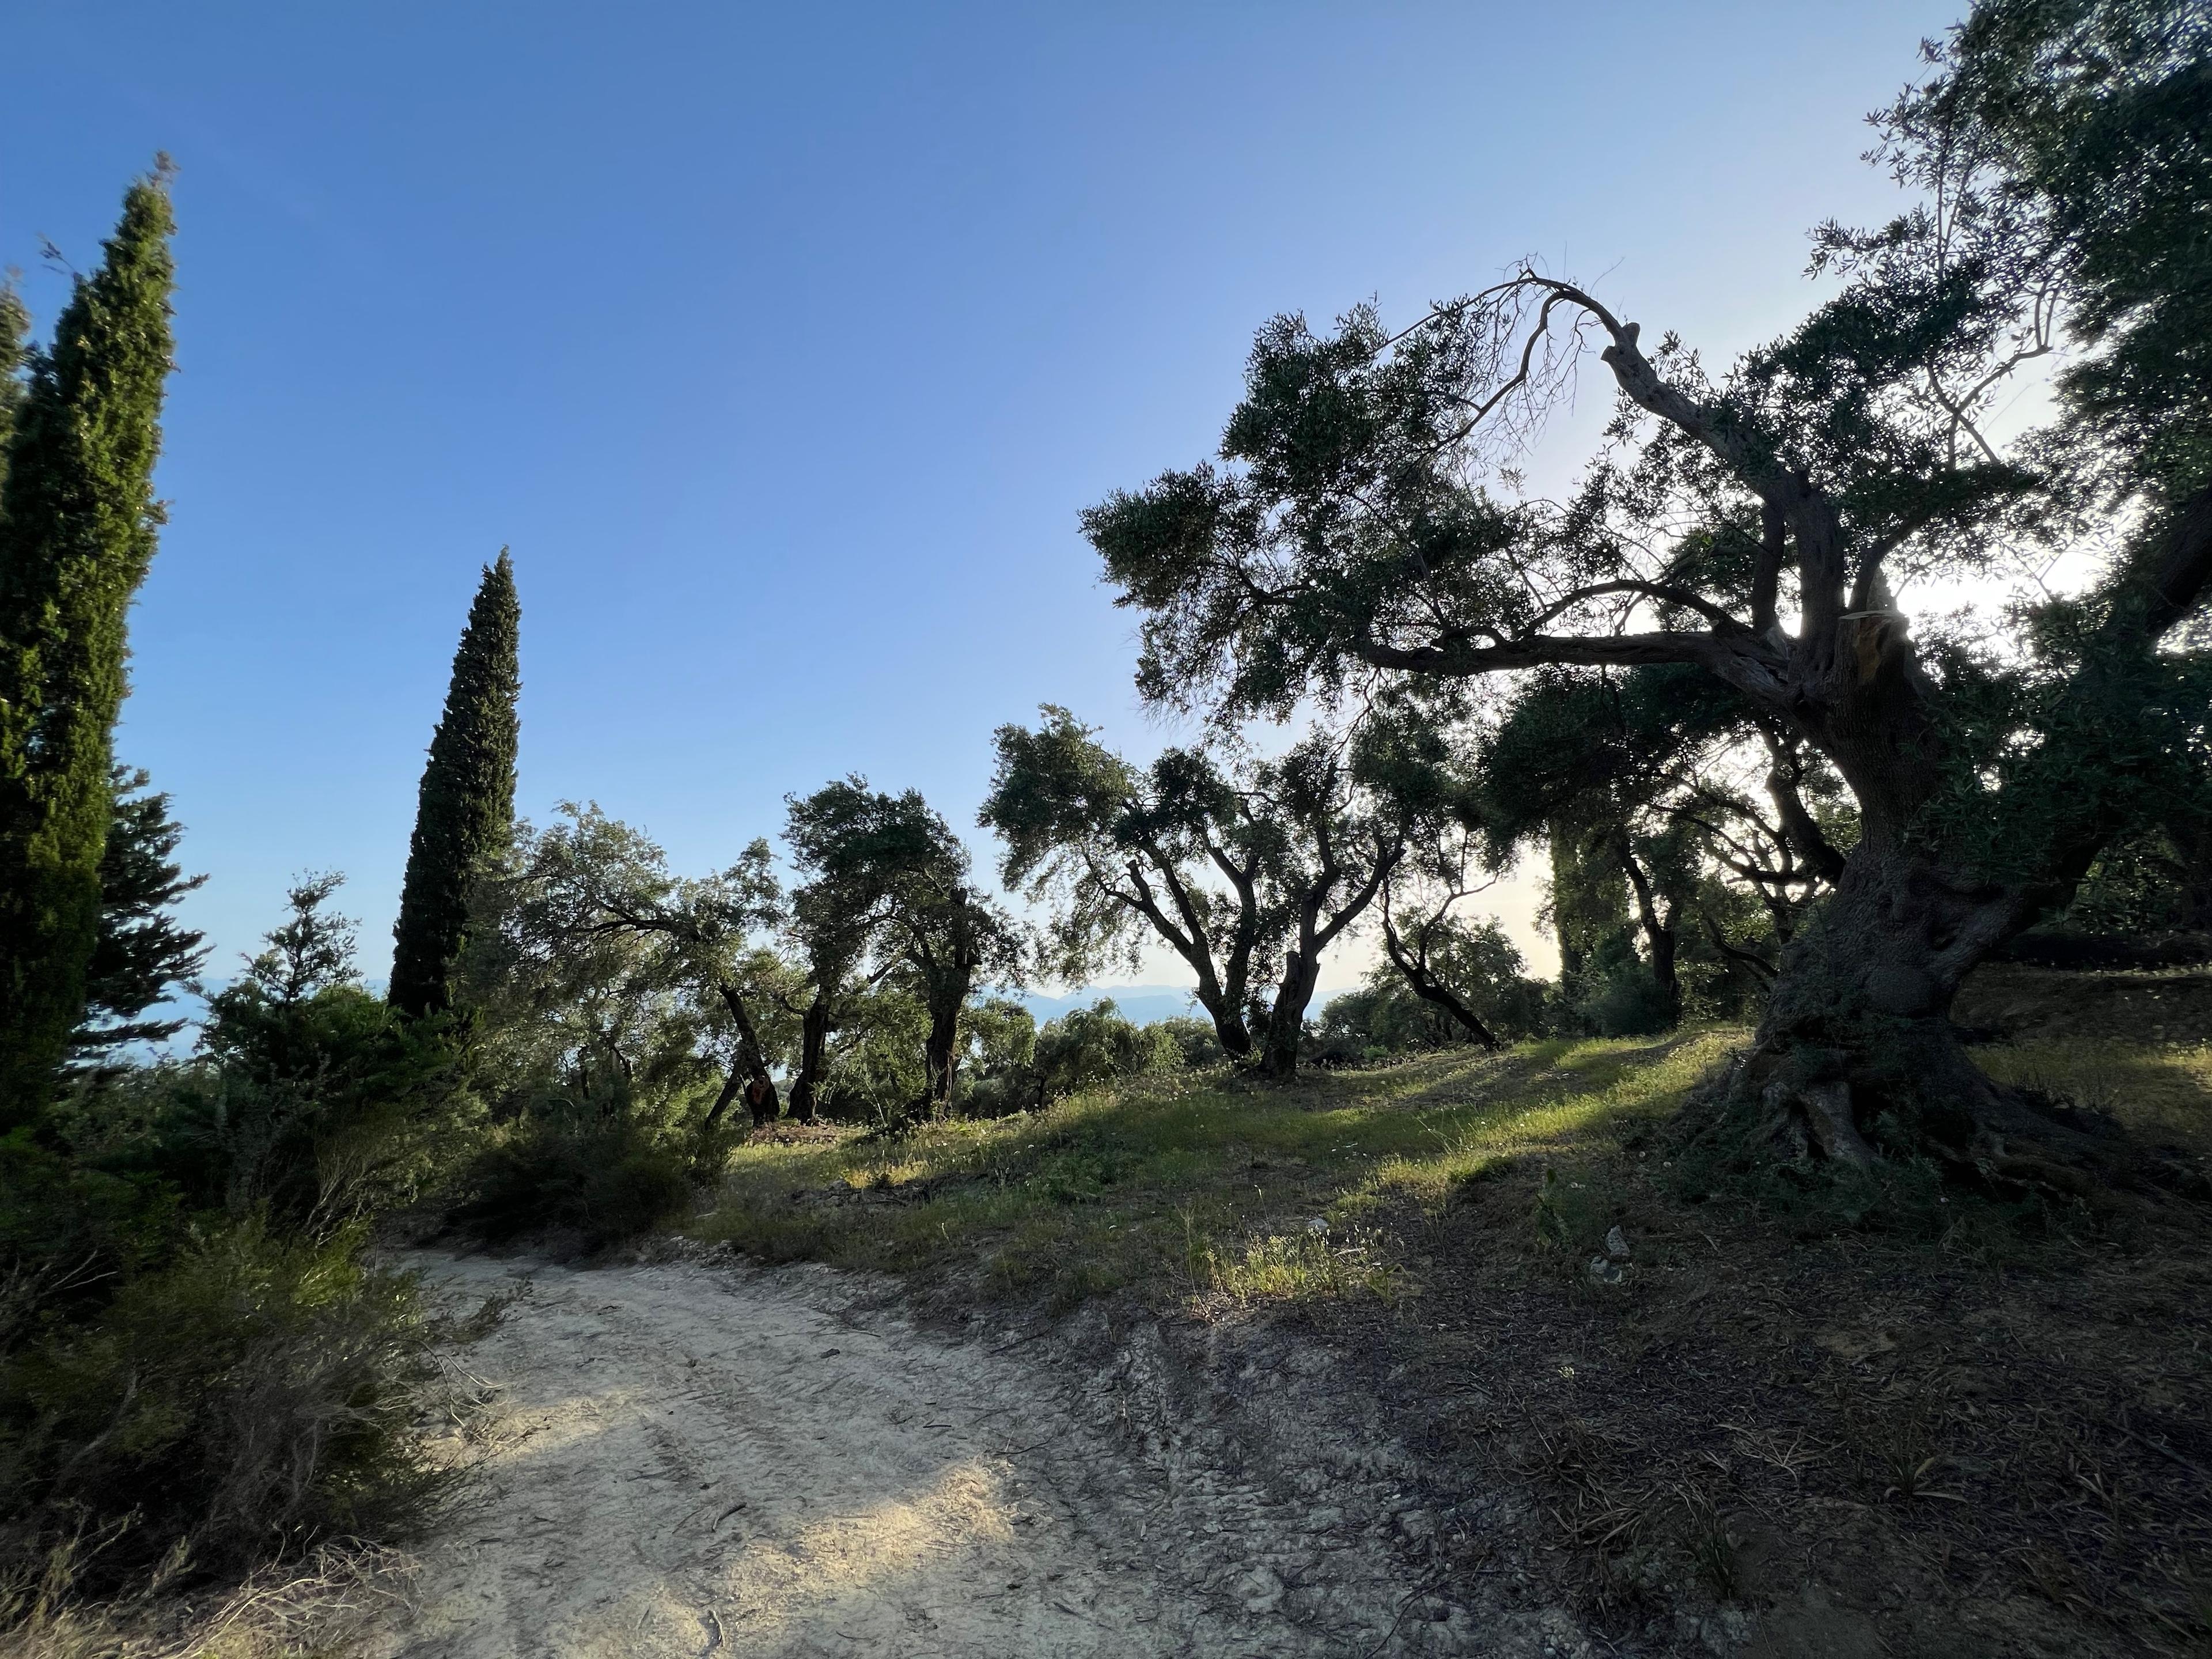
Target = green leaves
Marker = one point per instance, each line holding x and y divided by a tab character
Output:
465	816
78	522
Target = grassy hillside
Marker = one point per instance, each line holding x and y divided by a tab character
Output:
1936	1426
1208	1186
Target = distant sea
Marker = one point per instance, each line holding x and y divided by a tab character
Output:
1142	1003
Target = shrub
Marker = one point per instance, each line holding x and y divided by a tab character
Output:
1086	1046
318	1099
253	1394
1019	1067
999	1072
68	1234
604	1178
311	1102
1615	994
1195	1040
875	1074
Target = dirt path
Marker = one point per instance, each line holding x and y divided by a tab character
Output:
717	1461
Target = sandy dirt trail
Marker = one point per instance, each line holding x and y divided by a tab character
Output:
715	1460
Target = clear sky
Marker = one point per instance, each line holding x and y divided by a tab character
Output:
783	345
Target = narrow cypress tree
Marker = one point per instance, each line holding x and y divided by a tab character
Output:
466	812
78	522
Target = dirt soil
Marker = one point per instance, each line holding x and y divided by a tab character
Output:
702	1457
1797	1448
1774	1436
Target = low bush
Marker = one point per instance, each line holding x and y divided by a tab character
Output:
310	1102
1194	1039
1021	1067
604	1178
250	1395
1087	1046
200	1370
68	1235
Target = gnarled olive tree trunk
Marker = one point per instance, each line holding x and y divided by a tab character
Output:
1857	1057
749	1074
940	1052
1286	1021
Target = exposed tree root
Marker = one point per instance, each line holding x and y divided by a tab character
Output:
1799	1113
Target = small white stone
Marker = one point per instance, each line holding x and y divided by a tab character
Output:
1261	1590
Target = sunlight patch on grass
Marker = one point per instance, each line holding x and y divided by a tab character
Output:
1297	1267
1207	1188
1598	1091
2156	1090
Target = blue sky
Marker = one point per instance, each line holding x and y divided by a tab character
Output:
784	344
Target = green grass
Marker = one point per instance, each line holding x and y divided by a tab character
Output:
2159	1092
1213	1191
1207	1188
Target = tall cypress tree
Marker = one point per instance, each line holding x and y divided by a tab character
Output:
14	325
77	523
466	812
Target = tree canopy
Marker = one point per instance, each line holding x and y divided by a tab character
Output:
1365	526
77	531
1245	870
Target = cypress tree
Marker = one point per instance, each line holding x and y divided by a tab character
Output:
15	323
466	812
77	524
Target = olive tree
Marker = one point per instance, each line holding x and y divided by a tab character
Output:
1241	869
1755	523
889	896
590	934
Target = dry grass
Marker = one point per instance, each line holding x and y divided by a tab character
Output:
316	1608
1993	1438
2159	1091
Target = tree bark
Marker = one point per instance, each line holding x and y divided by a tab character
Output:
1228	1027
813	1052
1433	990
1658	930
750	1066
2193	841
940	1052
1857	1059
1220	993
1287	1021
732	1086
